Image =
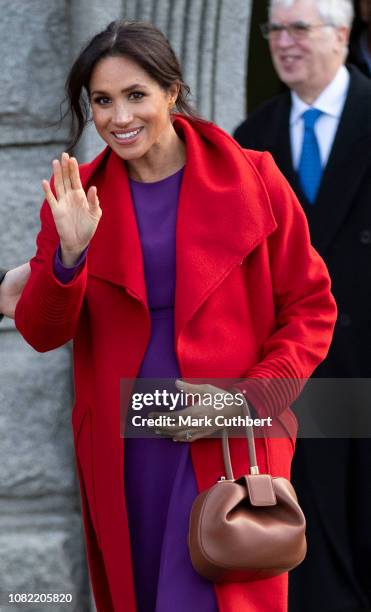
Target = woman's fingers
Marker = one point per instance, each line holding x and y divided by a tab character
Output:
176	425
49	194
191	434
194	421
74	173
93	201
195	388
58	179
66	171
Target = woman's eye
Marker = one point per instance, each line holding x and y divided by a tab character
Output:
136	95
101	101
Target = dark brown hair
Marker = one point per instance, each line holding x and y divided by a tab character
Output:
139	41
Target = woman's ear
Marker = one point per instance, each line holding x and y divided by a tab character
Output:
173	94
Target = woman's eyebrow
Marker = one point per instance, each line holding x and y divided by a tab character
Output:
130	88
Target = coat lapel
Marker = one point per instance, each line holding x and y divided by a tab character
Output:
279	144
223	214
115	253
347	164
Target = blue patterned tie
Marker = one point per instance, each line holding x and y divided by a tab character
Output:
310	166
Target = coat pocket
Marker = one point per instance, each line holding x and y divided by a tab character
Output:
81	423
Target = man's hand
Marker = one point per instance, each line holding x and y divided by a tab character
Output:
12	287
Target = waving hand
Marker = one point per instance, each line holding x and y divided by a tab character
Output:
75	213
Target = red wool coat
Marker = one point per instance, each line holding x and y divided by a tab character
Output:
252	299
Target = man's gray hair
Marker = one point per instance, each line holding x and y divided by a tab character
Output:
335	12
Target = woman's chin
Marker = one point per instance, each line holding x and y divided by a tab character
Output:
128	152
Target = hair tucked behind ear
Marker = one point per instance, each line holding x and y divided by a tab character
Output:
141	42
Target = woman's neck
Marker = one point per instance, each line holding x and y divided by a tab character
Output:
164	159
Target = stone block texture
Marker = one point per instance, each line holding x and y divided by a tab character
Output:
41	539
35	55
42	556
210	38
21	170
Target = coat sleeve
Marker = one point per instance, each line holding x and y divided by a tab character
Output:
48	310
304	306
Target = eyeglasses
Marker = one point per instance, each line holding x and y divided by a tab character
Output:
299	30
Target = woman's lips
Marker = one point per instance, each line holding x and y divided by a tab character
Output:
127	137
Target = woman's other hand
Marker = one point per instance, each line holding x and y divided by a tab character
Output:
201	413
11	289
76	214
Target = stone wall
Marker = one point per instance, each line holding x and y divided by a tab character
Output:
41	543
41	539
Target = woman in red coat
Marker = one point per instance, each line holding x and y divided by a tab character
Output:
175	253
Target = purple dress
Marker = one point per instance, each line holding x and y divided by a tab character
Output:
160	484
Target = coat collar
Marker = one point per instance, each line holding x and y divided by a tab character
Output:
224	213
115	252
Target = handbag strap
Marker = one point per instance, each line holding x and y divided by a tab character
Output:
254	469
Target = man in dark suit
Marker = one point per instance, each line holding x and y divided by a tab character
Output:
360	42
11	287
319	133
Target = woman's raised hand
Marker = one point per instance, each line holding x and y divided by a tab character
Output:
75	213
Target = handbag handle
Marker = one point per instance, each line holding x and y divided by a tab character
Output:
254	469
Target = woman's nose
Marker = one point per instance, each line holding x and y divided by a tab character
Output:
122	115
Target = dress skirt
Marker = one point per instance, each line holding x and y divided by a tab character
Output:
160	487
160	484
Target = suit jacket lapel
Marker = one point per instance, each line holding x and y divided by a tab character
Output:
280	145
347	164
348	161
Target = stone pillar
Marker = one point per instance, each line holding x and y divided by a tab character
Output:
210	38
41	542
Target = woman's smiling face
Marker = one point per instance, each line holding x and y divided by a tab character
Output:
130	109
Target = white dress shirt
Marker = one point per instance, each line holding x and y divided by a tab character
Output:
331	102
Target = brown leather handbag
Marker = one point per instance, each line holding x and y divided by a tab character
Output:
246	529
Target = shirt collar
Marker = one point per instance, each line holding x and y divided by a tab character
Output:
330	101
